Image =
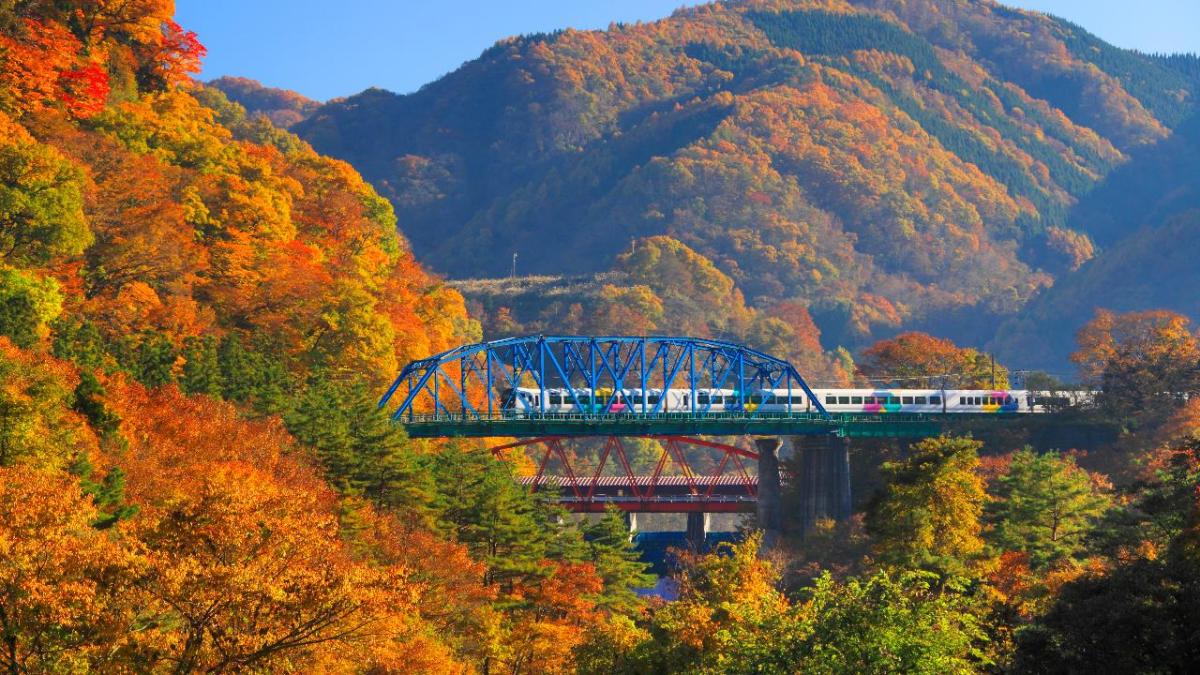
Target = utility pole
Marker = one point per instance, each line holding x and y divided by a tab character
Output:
993	372
513	273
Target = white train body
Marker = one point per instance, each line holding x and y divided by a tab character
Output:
866	401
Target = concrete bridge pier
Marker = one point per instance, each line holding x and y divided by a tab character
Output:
769	514
823	478
697	530
631	521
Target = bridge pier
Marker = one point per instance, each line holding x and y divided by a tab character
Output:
631	521
823	478
769	515
697	529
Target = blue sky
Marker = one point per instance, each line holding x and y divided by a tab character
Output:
327	49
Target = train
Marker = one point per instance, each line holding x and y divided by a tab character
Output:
526	400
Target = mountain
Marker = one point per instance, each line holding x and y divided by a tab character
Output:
1146	219
282	106
887	163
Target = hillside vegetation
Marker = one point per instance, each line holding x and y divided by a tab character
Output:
283	107
883	163
197	315
198	312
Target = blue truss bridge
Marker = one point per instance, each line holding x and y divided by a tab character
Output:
540	395
565	386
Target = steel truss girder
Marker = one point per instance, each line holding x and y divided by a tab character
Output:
474	375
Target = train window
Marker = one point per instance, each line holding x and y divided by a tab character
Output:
843	400
920	400
907	400
555	399
830	400
754	398
894	400
1008	400
653	399
702	398
797	399
869	400
856	400
935	400
964	400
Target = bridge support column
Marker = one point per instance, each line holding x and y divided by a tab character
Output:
823	478
769	514
631	521
697	530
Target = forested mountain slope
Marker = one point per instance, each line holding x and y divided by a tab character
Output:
1146	216
883	162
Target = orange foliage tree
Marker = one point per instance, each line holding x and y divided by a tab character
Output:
66	594
1139	358
921	360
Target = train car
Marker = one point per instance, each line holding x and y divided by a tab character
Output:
882	400
878	401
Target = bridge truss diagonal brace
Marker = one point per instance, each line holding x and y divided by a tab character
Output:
645	490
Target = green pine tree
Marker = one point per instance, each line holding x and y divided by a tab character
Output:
238	376
108	494
1046	506
201	367
363	453
19	320
89	403
81	343
618	563
154	360
494	516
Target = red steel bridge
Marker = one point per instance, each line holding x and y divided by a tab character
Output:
469	392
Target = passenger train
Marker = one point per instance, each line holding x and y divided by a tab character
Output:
522	401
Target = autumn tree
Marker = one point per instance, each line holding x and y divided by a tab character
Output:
928	514
66	589
28	304
631	310
916	359
41	201
1046	506
883	623
37	426
1141	360
243	572
727	614
696	297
